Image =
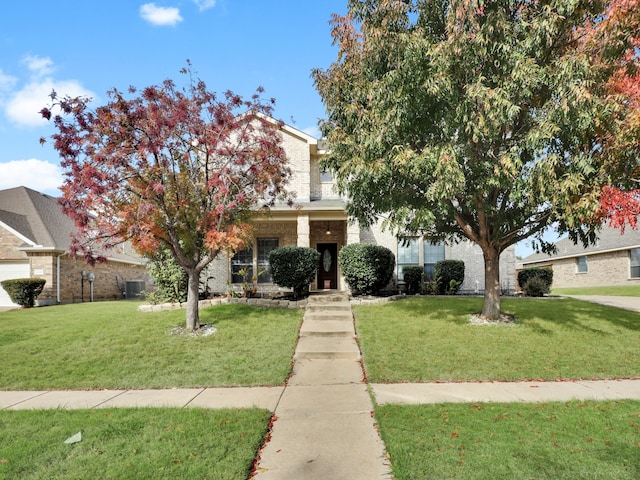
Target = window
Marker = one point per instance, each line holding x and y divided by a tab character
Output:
244	262
326	175
408	254
433	253
583	266
634	255
265	245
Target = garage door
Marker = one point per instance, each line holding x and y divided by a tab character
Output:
8	271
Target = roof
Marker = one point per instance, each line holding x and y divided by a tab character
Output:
35	216
38	219
609	239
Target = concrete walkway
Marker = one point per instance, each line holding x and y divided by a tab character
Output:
324	426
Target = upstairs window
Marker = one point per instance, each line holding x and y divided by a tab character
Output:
325	175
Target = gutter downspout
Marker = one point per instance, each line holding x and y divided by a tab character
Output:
58	278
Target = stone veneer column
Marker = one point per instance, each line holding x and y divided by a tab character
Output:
303	231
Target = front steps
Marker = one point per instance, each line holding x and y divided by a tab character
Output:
327	330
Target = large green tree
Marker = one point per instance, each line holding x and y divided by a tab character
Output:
472	119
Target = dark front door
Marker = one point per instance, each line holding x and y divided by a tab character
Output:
328	268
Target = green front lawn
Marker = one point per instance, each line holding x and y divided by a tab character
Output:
623	291
576	440
131	443
112	345
429	339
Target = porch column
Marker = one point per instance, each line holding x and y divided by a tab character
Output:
304	231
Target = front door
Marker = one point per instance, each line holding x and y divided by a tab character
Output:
328	268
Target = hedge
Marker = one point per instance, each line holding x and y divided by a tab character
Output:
24	291
367	268
449	275
545	274
294	267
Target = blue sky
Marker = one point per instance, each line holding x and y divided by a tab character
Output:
87	47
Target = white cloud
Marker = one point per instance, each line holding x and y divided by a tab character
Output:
205	4
18	173
23	106
160	16
7	82
38	66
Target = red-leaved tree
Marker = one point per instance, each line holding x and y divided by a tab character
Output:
614	42
175	167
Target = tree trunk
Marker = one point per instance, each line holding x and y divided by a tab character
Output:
491	306
193	290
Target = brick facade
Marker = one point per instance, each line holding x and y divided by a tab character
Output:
603	269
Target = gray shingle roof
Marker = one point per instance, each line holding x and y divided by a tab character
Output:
608	239
36	216
39	218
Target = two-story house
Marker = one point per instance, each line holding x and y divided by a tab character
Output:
319	220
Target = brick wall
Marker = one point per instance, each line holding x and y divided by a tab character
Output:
109	283
9	244
299	159
604	269
468	252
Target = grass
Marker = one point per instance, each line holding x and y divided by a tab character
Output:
576	440
623	291
112	345
429	339
131	443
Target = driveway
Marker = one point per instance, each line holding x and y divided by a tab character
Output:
628	303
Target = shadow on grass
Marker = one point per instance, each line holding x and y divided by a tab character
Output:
529	312
573	314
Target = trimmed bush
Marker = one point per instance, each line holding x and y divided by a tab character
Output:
294	267
24	291
536	287
367	268
546	274
449	275
413	276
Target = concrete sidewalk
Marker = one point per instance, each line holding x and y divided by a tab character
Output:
340	373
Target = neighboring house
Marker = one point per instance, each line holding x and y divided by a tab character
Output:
319	220
614	260
34	242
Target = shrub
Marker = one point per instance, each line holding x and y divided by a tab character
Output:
413	277
449	275
366	268
170	278
294	267
546	274
536	287
430	288
24	291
